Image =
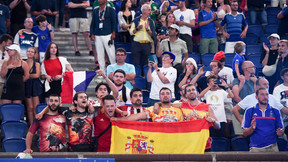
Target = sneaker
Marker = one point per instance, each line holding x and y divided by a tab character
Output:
91	53
77	53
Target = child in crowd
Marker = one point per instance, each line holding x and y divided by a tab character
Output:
240	48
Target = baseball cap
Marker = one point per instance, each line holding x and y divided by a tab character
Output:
193	62
174	26
14	47
274	35
219	55
172	56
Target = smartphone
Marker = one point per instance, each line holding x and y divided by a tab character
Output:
207	68
218	81
153	58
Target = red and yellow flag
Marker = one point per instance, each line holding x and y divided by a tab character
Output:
133	137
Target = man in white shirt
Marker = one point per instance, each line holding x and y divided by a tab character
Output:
185	19
161	77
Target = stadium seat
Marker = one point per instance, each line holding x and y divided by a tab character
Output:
281	144
40	107
240	144
256	60
229	58
146	94
138	70
220	144
129	59
11	112
206	58
253	50
272	20
255	29
264	39
13	145
14	129
273	11
195	56
269	29
126	46
140	82
251	39
145	70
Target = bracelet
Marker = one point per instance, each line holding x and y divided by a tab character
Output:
227	88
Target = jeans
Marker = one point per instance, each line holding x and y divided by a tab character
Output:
261	15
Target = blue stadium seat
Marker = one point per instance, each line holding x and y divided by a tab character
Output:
251	39
253	49
40	107
264	39
140	82
229	58
240	144
269	29
126	46
206	58
145	70
273	11
255	29
11	112
138	70
220	144
281	144
129	58
195	56
272	20
146	94
13	145
14	129
256	60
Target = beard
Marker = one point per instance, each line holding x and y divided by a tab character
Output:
165	101
137	103
53	110
192	98
263	103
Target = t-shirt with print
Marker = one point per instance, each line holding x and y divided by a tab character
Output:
216	100
25	41
185	16
52	132
171	114
281	94
120	100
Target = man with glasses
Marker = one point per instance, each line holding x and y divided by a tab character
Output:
5	41
234	22
26	39
129	69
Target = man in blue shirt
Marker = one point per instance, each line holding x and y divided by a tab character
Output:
234	22
263	124
48	8
283	23
4	19
208	22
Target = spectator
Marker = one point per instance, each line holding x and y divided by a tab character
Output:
53	69
169	20
168	6
250	101
5	41
239	48
136	98
102	124
161	77
125	18
196	29
119	79
283	23
283	60
263	131
18	12
161	27
189	72
175	45
281	94
16	72
129	69
45	35
256	11
103	31
143	31
61	6
208	23
167	113
78	22
48	8
4	18
26	38
234	21
276	3
185	19
33	86
243	87
269	57
51	127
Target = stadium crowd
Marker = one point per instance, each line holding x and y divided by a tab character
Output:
238	96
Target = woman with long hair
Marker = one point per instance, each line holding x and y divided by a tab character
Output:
53	69
33	88
16	72
125	18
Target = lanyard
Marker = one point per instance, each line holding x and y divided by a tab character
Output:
102	17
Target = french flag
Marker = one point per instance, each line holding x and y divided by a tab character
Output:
75	82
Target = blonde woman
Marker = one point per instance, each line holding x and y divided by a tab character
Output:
16	72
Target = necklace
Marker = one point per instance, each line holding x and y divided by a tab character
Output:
193	106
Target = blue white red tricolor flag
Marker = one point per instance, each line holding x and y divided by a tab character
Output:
75	82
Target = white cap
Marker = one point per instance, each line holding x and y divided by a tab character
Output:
174	26
14	47
274	35
193	62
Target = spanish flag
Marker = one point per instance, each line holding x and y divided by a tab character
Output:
133	137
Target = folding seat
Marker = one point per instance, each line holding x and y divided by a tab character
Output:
140	82
11	112
255	29
196	57
138	70
129	58
269	29
40	107
253	49
264	39
207	58
251	39
146	94
255	58
220	144
281	144
13	145
272	20
229	58
240	144
273	11
14	129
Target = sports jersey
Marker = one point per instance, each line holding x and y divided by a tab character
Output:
130	109
101	122
171	114
44	37
25	41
